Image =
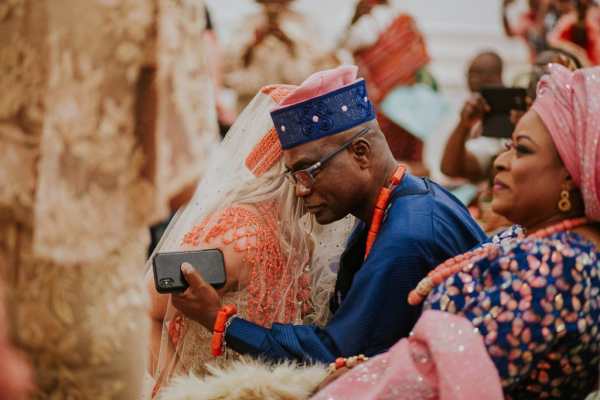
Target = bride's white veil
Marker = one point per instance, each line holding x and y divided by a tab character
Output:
246	168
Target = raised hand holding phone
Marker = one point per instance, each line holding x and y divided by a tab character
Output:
473	110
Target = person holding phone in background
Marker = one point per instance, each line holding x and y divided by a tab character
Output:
477	138
467	154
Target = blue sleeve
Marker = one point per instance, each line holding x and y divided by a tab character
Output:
372	317
375	312
281	342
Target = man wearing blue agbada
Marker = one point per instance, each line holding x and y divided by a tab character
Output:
340	163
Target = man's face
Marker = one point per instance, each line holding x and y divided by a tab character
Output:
484	71
335	191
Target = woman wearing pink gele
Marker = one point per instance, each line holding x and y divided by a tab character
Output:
519	317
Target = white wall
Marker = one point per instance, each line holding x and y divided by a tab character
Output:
455	29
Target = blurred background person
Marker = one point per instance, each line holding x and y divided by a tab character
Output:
532	25
273	43
578	32
107	112
392	55
468	154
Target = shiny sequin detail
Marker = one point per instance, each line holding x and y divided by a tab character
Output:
536	302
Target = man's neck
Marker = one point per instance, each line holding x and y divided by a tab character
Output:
386	171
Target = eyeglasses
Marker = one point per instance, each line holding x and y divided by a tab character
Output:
306	176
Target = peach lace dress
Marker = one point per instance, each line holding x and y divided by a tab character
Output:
272	293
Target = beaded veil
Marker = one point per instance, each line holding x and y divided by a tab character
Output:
244	201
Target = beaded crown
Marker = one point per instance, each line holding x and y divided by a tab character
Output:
268	150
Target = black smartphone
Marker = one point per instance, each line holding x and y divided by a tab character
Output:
496	122
167	269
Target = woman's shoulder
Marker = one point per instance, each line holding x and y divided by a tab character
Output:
237	223
563	250
565	242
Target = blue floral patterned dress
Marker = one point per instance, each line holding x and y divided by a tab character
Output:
536	302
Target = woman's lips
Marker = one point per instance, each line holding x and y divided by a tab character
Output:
499	185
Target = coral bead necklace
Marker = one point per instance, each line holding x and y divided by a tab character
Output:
458	263
380	205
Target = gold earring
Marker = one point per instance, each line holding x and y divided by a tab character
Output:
564	205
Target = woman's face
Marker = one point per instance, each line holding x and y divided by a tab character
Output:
530	175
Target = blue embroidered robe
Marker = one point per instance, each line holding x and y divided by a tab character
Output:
424	225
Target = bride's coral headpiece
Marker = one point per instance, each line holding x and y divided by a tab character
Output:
268	150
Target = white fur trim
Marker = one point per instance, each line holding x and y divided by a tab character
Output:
248	380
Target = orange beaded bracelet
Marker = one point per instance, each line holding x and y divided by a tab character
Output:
218	338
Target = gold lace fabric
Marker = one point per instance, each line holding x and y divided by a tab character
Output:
85	168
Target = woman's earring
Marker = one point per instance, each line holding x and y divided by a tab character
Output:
564	205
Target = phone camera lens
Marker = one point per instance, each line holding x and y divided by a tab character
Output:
166	282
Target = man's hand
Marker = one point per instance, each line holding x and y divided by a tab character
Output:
473	110
200	301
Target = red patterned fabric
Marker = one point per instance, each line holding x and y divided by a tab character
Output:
394	59
404	146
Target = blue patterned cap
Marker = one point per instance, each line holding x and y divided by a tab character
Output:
324	115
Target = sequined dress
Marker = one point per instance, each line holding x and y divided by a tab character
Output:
521	323
536	302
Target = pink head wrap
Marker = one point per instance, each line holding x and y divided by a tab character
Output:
322	82
569	105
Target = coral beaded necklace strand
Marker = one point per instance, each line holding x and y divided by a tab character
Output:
380	205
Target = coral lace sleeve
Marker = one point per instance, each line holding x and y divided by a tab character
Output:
535	304
249	238
234	231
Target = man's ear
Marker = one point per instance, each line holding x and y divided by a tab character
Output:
362	152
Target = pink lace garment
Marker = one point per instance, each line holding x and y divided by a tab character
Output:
444	358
